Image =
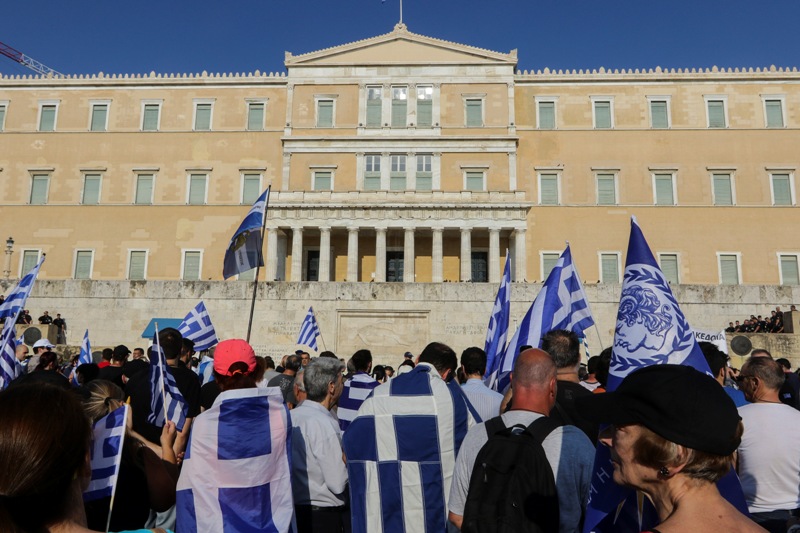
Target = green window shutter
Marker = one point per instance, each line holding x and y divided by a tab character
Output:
399	107
664	194
29	260
602	114
144	189
150	118
548	193
424	113
606	193
547	115
251	188
397	177
202	117
610	268
372	182
39	186
191	266
397	182
2	117
774	113
658	114
474	181
83	264
374	114
47	122
91	189
424	182
781	189
99	114
474	109
789	272
136	266
324	113
197	189
723	192
424	172
716	114
323	181
669	266
255	116
548	264
729	269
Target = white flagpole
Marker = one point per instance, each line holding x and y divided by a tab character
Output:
114	487
161	366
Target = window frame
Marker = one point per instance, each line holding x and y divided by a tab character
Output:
418	100
674	175
148	102
87	174
796	256
713	172
184	251
243	177
620	267
4	104
75	263
773	97
473	98
539	174
196	173
542	254
367	100
256	101
400	158
131	251
318	169
610	100
196	102
667	99
391	105
42	105
708	98
677	257
538	100
790	174
470	170
738	256
22	269
38	173
139	174
614	177
92	104
419	160
318	98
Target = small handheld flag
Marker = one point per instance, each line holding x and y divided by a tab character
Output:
498	323
108	436
197	327
166	401
244	250
8	356
309	331
84	358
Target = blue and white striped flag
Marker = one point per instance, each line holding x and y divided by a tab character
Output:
197	327
355	391
244	250
164	388
107	441
84	358
236	473
309	331
8	356
15	301
561	304
498	323
651	330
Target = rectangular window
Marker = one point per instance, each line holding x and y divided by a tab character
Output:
480	267
47	117
312	265
548	189
197	189
137	265
659	114
83	264
144	189
255	116
728	269
397	178
424	172
606	189
474	112
323	180
191	265
773	110
716	113
781	189
99	120
723	189
603	116
669	267
29	260
399	106
374	106
609	268
372	172
40	183
3	108
251	188
664	189
789	272
395	265
91	189
202	116
549	261
324	113
474	180
424	106
151	116
546	115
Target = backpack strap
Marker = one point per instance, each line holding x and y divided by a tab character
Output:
541	428
494	426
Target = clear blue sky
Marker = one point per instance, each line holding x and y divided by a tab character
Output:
112	36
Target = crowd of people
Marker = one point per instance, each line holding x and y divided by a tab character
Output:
25	318
430	447
760	324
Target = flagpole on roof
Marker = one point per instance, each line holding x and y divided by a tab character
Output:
589	307
258	266
163	377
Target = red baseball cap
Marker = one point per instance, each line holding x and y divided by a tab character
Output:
233	351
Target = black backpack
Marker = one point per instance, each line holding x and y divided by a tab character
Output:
512	487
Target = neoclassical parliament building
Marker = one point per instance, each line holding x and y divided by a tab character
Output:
404	158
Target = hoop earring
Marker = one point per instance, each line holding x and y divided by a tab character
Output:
663	471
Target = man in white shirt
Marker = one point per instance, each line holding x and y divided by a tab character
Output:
319	475
483	399
769	457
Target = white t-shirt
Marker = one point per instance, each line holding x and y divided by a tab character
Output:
769	457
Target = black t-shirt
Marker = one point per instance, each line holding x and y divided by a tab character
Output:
209	393
565	411
45	319
138	390
112	374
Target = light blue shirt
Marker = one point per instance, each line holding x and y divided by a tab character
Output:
485	401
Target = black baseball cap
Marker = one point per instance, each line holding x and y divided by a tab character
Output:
677	402
121	351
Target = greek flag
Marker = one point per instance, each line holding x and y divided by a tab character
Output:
8	356
106	454
650	330
355	391
84	358
561	304
197	327
498	323
244	250
164	389
309	331
15	301
236	473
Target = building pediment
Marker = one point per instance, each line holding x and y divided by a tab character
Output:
400	47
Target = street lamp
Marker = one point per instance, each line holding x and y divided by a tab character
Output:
9	251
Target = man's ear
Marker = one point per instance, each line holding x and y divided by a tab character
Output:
445	374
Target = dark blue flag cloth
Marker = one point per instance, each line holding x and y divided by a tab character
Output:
650	330
244	250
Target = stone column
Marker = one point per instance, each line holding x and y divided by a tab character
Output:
324	253
380	254
297	254
408	256
520	254
352	253
436	259
272	254
494	253
466	254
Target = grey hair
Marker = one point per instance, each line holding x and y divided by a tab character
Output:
319	373
298	379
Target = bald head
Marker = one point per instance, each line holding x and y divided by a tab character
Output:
534	369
